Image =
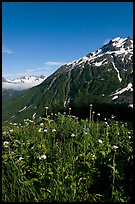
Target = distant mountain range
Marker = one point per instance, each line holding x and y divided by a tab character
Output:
104	76
22	83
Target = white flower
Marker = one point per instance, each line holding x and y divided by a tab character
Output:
69	108
112	117
6	143
53	130
98	114
46	107
21	158
4	133
100	141
85	133
15	124
93	156
31	121
129	137
40	130
34	116
90	105
43	156
129	132
41	124
73	135
11	130
45	130
114	147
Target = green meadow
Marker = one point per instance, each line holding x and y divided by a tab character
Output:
61	158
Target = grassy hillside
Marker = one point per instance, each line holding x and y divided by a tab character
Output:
61	159
81	85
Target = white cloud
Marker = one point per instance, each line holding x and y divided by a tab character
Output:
6	50
54	63
46	71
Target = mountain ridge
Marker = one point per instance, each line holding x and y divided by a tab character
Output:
22	83
105	75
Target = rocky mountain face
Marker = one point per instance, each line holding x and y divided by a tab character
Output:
103	76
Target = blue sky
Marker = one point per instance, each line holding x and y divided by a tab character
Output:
38	37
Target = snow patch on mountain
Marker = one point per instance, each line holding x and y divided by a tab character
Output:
115	97
120	79
129	87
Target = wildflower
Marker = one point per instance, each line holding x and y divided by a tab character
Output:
105	119
4	133
114	147
45	130
43	156
100	141
85	133
41	124
69	108
46	107
98	114
15	124
21	158
10	130
90	105
31	121
112	116
53	130
93	112
93	155
6	143
129	132
34	116
11	123
129	137
73	135
40	130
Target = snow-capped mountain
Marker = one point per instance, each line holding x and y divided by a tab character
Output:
22	83
116	56
121	48
104	76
